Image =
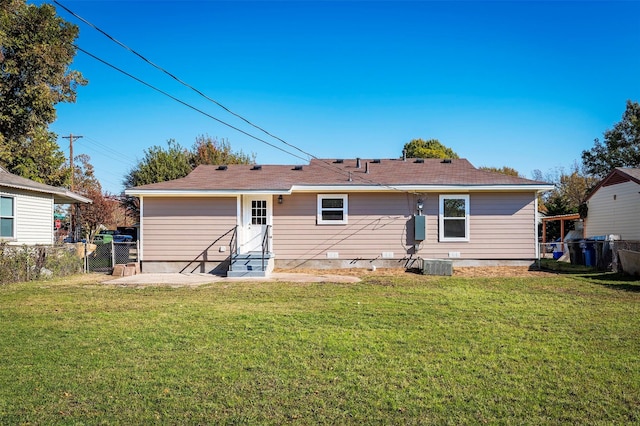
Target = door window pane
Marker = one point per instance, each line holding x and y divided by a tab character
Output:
258	212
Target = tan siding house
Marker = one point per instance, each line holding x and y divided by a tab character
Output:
336	213
26	209
183	230
614	206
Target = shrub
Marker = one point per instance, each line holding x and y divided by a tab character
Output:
26	263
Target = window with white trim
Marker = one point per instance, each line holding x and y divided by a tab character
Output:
332	209
7	217
454	218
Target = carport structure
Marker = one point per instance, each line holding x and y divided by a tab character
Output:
562	218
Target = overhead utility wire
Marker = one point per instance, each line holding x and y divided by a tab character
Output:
124	46
159	68
326	164
186	104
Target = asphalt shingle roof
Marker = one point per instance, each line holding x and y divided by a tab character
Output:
60	195
328	172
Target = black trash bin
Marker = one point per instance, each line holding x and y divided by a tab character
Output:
575	253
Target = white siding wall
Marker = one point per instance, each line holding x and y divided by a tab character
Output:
33	217
619	216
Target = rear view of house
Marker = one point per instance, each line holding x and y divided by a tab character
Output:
336	213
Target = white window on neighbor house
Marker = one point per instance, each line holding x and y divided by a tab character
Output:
7	217
332	209
454	218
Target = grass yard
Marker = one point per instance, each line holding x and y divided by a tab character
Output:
390	350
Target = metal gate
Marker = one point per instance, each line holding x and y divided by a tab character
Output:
103	257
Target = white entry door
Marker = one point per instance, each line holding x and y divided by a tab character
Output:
255	219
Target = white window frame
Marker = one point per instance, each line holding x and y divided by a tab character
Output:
344	209
442	219
13	217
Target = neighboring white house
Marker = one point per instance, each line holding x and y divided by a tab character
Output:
26	209
614	205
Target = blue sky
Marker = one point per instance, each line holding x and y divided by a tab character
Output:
526	84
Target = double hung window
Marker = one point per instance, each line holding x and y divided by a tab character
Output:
454	218
7	217
332	209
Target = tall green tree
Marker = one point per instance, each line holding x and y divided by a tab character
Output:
505	170
432	148
160	164
39	158
207	150
92	216
36	51
621	145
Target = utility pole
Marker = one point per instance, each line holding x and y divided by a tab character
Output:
71	137
74	227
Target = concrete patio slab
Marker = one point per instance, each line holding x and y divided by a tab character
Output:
182	280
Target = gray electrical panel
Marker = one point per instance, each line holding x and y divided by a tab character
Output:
420	228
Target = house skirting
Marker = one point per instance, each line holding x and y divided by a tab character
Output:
221	268
200	267
389	263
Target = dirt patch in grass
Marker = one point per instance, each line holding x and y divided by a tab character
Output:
475	271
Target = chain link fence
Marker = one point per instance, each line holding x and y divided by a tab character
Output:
103	257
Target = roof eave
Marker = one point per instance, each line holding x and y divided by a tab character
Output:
60	196
341	188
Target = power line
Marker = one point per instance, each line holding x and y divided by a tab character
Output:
327	165
186	104
163	70
323	163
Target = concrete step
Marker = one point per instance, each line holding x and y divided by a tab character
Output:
250	265
246	274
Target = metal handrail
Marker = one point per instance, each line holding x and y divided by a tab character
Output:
204	252
233	244
265	244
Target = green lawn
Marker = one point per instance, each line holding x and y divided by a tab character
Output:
390	350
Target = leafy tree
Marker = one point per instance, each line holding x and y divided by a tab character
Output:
91	216
36	50
160	164
505	170
568	196
432	148
39	158
621	147
212	151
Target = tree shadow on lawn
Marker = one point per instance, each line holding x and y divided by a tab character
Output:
616	281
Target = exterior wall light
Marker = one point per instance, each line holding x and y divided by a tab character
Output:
420	205
280	199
